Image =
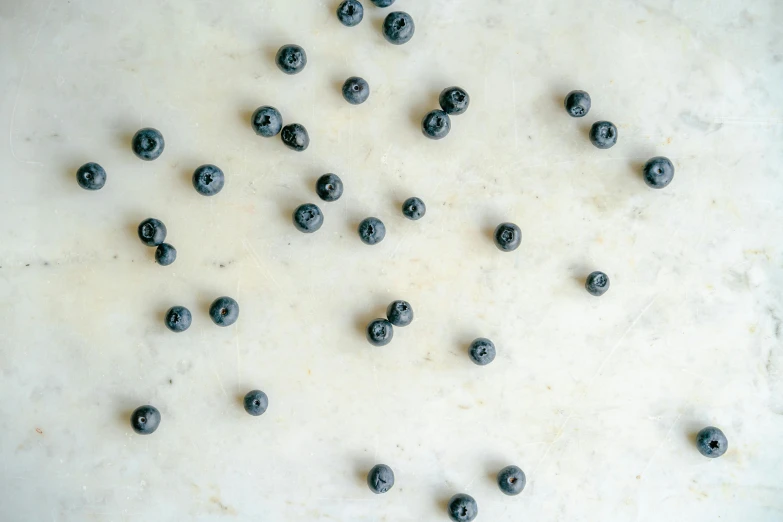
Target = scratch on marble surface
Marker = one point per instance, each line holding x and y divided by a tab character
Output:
257	260
236	338
19	88
620	340
220	382
514	104
549	447
663	442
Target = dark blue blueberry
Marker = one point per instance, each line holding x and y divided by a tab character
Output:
414	208
508	237
380	479
165	254
224	311
454	100
350	13
148	144
267	121
152	232
577	103
356	90
711	442
208	180
91	176
603	134
329	187
511	480
308	218
380	332
597	283
462	508
400	313
482	351
291	59
436	125
295	137
398	28
178	319
658	172
256	402
372	231
145	420
383	3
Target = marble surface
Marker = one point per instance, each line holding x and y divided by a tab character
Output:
597	400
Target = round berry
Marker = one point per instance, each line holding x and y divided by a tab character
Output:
329	187
267	121
148	144
91	176
224	311
178	319
165	254
152	232
256	402
291	59
145	420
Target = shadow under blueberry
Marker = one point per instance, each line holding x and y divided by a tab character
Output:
125	140
270	54
442	501
370	313
426	106
636	166
246	117
690	431
584	128
579	273
360	470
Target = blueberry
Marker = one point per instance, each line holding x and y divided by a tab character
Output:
178	319
165	254
208	180
658	172
295	137
380	332
380	479
511	480
91	176
436	125
711	442
383	3
256	402
603	134
145	420
400	313
308	218
329	187
224	311
372	231
508	237
577	103
267	121
414	208
356	90
482	351
291	59
148	144
398	28
597	283
152	232
462	508
350	13
454	100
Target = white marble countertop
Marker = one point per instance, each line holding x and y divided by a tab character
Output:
596	399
